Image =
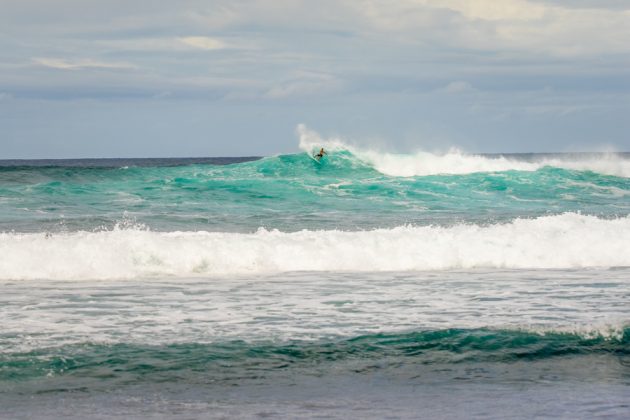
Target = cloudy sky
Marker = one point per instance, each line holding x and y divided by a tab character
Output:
120	78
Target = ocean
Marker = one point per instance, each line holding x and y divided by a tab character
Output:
366	285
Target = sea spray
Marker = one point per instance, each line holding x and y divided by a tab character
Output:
456	162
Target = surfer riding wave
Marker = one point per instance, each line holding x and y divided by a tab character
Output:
321	154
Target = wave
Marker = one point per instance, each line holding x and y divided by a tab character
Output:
241	359
458	163
563	241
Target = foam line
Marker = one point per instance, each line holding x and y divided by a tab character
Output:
564	241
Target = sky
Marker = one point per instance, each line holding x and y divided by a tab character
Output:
147	78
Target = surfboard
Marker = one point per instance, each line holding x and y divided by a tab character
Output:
315	159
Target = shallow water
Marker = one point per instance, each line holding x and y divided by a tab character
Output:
452	344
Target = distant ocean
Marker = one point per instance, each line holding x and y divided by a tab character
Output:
366	285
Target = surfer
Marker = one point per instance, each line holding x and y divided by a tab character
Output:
321	154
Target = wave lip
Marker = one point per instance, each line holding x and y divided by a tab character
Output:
455	162
563	241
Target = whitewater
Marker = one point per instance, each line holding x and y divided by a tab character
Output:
563	241
371	284
456	162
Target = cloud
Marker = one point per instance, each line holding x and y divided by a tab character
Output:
559	110
163	44
506	25
203	42
569	27
305	84
458	86
63	64
492	10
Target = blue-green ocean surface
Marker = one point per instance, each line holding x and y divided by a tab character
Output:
293	192
366	285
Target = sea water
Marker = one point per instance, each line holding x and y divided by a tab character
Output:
368	285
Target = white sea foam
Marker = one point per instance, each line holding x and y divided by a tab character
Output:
563	241
457	162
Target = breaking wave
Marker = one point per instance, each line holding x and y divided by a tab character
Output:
236	359
562	241
456	162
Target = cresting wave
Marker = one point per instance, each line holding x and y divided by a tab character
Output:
458	163
563	241
233	359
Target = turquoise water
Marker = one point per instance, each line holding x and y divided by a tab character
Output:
366	285
292	192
